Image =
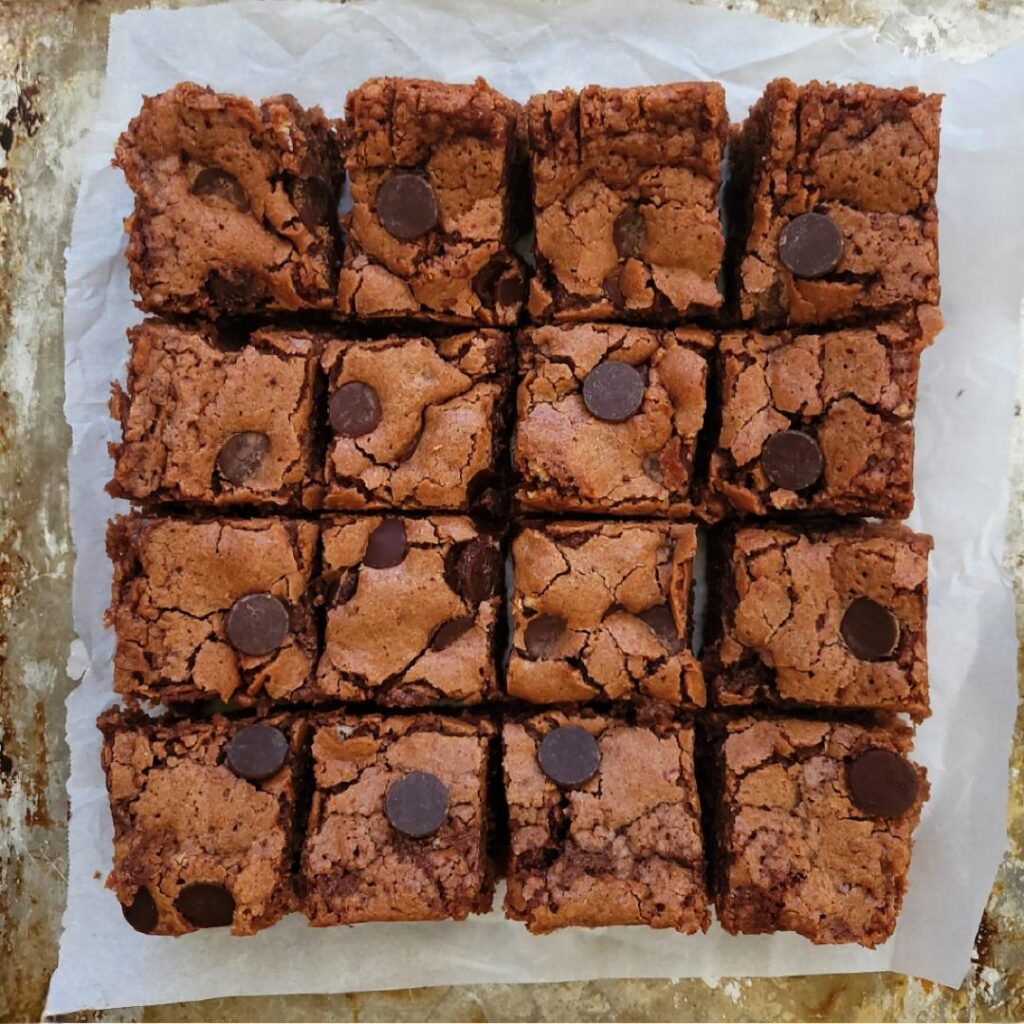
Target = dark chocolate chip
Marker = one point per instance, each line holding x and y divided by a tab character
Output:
662	623
882	783
241	455
314	202
870	629
341	590
257	752
475	570
417	804
811	245
354	409
407	206
629	231
236	289
206	905
569	756
257	624
499	283
387	545
792	459
613	391
448	632
212	182
141	913
612	288
542	636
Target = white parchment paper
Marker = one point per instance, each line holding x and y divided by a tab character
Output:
320	51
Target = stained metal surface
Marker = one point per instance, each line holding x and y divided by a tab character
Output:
52	54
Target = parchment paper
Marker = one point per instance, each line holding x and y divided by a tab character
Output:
320	51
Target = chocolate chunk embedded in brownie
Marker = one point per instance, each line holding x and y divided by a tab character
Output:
608	418
625	196
601	611
235	204
604	824
204	820
432	168
212	609
814	824
400	822
832	193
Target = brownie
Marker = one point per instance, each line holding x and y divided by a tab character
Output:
609	417
433	170
827	616
604	824
832	194
625	197
205	830
217	609
208	421
400	823
601	611
821	422
412	610
419	424
236	205
814	827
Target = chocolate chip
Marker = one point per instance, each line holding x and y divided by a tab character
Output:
241	455
613	391
473	570
499	283
569	756
257	624
141	913
542	635
662	623
869	629
235	289
387	545
811	245
407	206
612	288
256	752
354	409
792	459
882	783
629	231
417	804
448	632
314	202
206	905
212	182
341	590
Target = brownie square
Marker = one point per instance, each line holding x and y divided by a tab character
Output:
814	827
609	417
821	422
400	823
832	193
217	609
419	424
412	610
204	816
625	197
831	617
433	169
235	204
207	421
601	611
604	824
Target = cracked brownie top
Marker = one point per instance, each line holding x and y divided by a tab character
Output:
412	610
815	827
608	418
399	824
235	205
830	617
821	422
604	824
432	168
625	194
601	611
418	423
833	196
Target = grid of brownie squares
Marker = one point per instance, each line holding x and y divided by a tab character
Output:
415	571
